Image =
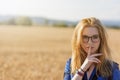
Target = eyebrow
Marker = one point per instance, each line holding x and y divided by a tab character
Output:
92	35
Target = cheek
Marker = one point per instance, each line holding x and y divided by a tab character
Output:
97	45
84	47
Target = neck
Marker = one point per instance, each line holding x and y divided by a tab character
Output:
91	68
89	71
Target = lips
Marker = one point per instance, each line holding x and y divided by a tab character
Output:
87	48
91	47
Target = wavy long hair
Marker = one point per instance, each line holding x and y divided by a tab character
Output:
79	55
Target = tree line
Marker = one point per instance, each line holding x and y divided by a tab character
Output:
24	20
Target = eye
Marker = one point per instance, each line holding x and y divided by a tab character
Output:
95	36
85	37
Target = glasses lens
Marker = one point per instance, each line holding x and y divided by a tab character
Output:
95	38
85	39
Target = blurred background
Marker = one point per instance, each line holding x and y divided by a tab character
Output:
35	35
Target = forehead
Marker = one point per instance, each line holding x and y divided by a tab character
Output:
90	31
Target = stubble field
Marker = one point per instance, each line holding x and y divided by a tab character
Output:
40	53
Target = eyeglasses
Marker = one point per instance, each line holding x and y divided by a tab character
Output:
94	38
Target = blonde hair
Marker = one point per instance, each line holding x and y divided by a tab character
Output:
79	55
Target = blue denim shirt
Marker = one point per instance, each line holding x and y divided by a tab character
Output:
68	75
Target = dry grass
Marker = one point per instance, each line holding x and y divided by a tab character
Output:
39	53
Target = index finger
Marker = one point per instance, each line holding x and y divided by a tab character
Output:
89	50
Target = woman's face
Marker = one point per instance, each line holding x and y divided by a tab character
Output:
90	38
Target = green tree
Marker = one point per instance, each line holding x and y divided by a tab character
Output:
23	21
60	24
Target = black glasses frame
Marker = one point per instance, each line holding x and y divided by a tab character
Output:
90	37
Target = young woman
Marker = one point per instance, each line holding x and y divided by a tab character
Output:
91	56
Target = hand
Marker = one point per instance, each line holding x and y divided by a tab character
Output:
91	58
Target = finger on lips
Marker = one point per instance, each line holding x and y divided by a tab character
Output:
89	51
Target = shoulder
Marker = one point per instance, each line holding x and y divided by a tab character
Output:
112	64
67	66
67	71
69	61
115	65
116	71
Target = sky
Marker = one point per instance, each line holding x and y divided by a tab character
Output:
71	10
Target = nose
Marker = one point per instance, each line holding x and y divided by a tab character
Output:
89	41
